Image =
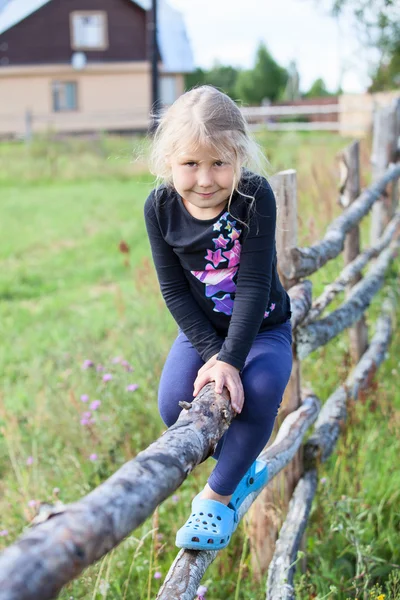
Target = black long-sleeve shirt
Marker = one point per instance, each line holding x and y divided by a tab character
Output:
217	276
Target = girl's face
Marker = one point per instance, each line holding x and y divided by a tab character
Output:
203	180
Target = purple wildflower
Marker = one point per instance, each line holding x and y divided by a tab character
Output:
201	591
93	457
323	480
116	360
33	503
84	422
29	460
87	414
107	377
157	575
132	387
160	536
127	366
84	398
4	532
87	364
175	498
99	368
95	404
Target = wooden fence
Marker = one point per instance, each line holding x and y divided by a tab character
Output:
68	538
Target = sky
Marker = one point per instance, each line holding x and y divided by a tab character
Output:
229	31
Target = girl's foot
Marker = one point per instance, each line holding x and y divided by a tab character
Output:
209	494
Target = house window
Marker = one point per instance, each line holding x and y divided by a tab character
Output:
168	89
64	96
89	30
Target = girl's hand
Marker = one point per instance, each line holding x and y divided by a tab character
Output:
210	363
224	375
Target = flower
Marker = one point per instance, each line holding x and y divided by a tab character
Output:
160	536
4	532
323	480
95	404
85	422
87	414
201	591
157	575
84	398
116	360
29	460
381	597
175	498
99	368
93	457
132	387
107	377
127	366
87	364
33	502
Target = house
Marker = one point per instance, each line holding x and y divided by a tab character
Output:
84	65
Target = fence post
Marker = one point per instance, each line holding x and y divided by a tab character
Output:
268	512
383	147
350	165
396	154
28	126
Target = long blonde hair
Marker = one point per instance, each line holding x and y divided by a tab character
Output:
205	116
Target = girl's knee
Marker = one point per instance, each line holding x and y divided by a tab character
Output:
169	408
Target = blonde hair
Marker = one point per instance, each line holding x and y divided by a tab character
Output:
205	116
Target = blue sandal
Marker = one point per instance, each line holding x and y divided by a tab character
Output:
209	527
253	480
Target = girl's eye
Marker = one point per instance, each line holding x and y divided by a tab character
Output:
219	163
190	164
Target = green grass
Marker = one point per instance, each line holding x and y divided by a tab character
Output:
67	294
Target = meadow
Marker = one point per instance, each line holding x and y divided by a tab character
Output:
84	334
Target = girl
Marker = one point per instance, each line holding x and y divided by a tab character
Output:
211	226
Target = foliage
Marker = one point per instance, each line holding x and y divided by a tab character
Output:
220	76
378	24
318	90
266	81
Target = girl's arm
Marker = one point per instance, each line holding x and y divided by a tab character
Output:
254	279
176	292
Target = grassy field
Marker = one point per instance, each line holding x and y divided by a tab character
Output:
68	294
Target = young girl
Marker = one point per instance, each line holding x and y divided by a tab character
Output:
211	226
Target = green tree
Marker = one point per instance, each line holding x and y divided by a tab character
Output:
267	80
318	89
220	76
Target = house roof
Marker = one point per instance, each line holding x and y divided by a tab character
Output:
173	42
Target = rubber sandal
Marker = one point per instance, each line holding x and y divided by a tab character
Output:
253	480
209	527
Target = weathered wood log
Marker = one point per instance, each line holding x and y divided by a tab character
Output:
54	552
189	566
320	332
358	334
308	260
383	150
352	270
284	185
282	568
333	413
300	300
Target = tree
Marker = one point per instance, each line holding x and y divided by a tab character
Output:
378	25
317	90
220	76
266	81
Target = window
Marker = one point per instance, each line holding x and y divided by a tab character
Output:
89	30
64	96
168	89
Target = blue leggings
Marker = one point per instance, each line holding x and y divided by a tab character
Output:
264	377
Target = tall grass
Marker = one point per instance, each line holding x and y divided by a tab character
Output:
76	285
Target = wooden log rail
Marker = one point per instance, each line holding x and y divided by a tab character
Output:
319	333
352	270
317	449
305	261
